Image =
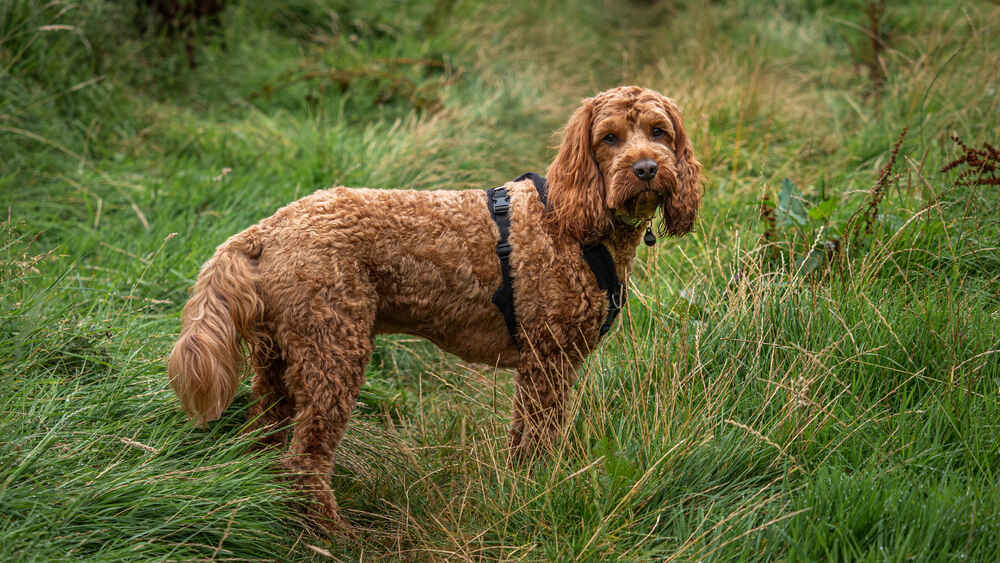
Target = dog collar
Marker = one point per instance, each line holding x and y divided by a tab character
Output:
628	219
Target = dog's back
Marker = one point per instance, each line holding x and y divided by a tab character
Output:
425	259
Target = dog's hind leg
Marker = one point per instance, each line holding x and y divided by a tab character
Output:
327	352
273	406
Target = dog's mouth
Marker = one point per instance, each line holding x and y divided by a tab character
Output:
641	206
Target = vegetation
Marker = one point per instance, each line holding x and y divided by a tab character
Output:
812	374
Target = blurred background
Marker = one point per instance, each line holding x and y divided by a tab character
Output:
811	374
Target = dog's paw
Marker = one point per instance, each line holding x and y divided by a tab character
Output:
333	525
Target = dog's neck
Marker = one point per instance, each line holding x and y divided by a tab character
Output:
622	241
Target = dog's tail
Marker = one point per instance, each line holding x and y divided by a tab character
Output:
225	308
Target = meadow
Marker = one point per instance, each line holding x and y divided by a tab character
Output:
812	374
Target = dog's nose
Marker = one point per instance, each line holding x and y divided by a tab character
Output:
645	169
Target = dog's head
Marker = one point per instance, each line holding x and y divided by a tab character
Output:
624	153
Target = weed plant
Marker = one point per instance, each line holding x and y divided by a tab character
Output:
815	382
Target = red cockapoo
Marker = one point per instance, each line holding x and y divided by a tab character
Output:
308	288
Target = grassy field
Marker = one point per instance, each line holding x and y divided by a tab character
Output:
812	374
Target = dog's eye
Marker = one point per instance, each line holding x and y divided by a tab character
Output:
657	132
610	139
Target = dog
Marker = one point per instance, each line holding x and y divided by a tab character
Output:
308	288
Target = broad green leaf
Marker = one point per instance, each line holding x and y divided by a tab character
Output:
790	210
822	211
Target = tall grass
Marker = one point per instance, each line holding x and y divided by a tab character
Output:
749	405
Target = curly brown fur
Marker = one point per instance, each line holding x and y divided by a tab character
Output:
309	287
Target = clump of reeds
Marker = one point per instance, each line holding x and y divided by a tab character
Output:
770	235
875	12
886	177
979	166
869	52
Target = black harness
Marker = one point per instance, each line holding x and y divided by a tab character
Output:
596	256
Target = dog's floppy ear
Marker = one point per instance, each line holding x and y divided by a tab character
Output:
576	186
681	208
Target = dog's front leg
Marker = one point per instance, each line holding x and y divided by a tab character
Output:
539	410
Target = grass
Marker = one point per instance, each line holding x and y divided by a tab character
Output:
762	397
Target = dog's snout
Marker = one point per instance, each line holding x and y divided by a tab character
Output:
645	169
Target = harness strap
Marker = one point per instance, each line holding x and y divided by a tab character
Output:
597	256
498	201
603	267
541	186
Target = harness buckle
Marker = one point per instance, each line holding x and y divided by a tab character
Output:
501	201
503	249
